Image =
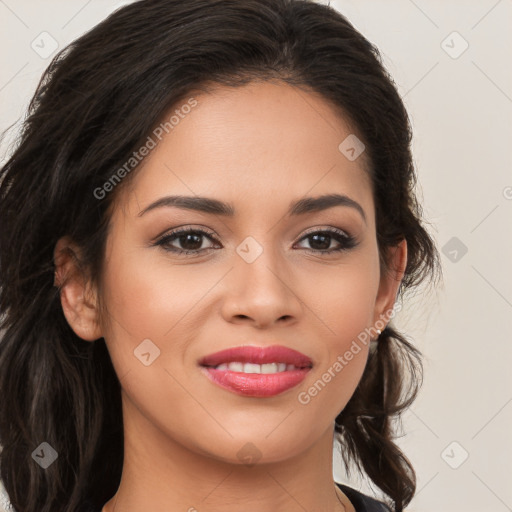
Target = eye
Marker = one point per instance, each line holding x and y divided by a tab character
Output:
189	239
321	241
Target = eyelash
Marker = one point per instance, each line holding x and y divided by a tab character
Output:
347	242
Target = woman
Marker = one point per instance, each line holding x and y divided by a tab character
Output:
207	223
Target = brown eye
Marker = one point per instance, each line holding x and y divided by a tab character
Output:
320	241
190	240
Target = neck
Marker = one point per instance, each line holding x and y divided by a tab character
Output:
160	472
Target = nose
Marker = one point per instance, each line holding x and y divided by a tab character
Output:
261	293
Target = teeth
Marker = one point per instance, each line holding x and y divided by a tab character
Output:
249	368
270	368
256	368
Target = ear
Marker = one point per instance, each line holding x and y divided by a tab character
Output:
77	296
390	282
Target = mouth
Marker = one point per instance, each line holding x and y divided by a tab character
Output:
257	371
266	369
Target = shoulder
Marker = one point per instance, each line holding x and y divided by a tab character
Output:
362	502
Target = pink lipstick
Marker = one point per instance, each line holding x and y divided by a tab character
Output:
257	371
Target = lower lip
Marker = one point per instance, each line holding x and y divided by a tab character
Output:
256	384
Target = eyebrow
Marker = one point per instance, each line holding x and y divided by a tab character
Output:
216	207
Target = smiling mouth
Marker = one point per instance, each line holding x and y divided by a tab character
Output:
255	368
255	371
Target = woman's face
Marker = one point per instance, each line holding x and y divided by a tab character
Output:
257	277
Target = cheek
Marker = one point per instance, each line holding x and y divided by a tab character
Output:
147	299
147	333
140	307
153	308
342	298
343	302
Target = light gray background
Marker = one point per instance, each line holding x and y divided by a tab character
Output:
461	109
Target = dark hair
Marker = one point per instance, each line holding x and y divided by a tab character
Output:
95	105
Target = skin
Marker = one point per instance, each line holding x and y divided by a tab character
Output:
258	147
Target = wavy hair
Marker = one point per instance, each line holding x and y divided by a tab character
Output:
95	105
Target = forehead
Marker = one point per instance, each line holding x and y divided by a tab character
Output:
258	146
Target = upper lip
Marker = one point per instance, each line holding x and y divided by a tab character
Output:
258	355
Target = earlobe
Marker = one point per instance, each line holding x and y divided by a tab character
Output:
78	298
390	282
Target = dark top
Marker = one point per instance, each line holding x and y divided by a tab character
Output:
361	502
